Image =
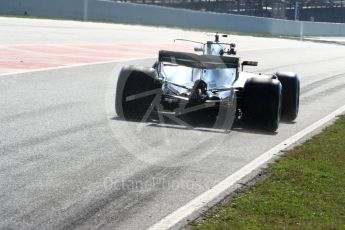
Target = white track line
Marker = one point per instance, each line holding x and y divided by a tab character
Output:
194	208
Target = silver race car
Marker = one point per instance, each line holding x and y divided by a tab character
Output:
209	89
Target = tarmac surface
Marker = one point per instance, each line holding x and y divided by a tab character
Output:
68	162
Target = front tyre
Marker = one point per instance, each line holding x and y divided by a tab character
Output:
291	91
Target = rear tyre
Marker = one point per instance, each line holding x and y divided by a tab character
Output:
291	91
136	89
262	102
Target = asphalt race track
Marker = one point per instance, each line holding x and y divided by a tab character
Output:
67	161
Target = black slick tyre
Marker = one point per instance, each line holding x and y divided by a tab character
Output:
136	89
291	92
262	98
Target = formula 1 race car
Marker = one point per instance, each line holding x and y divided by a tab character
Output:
210	88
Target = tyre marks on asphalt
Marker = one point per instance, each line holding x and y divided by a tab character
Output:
324	93
118	202
322	82
302	63
6	148
322	88
28	114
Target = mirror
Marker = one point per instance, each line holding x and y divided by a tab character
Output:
198	49
249	63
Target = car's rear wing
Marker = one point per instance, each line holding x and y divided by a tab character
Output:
198	61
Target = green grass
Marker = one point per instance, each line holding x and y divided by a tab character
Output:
304	190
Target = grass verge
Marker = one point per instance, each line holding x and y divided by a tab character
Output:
304	190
